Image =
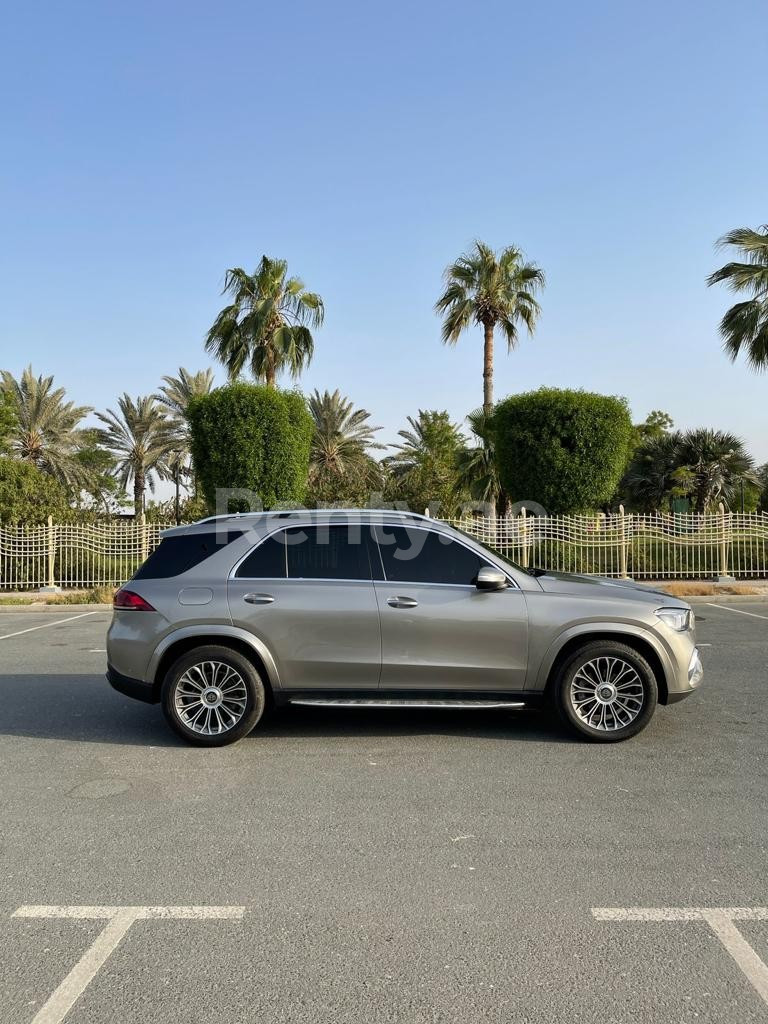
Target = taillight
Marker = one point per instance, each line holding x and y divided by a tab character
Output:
127	599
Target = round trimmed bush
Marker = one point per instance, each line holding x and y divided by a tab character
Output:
565	450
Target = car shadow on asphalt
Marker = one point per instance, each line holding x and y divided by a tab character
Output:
83	709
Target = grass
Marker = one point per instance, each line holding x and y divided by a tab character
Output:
99	595
693	589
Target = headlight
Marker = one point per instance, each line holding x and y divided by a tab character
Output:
679	619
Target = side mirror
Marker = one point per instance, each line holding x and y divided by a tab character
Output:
489	578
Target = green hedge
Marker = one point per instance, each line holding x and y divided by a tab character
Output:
565	450
253	437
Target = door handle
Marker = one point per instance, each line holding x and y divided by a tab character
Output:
402	602
258	599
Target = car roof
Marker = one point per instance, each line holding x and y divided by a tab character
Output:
251	520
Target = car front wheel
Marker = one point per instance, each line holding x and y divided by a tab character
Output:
212	696
606	692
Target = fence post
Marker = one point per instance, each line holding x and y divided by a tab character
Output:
50	585
622	544
723	577
523	539
144	546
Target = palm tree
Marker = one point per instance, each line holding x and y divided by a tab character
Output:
342	437
177	392
46	431
489	290
706	465
477	468
745	325
267	325
423	469
653	472
718	462
141	437
175	396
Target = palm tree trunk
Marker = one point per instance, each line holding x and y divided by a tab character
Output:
488	370
270	374
138	492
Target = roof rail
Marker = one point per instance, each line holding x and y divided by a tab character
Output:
313	511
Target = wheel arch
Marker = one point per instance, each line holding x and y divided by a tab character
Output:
559	654
182	641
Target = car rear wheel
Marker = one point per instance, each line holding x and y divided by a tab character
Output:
606	692
212	696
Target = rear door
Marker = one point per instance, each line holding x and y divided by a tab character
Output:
307	592
438	631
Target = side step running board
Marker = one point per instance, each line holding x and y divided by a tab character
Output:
375	702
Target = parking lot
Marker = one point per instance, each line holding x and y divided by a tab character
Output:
348	866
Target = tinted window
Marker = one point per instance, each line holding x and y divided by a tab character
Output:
423	556
267	561
177	554
327	553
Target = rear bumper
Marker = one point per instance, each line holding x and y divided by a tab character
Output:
135	688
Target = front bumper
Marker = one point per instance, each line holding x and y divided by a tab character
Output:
135	688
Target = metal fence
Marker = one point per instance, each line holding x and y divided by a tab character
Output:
73	555
656	546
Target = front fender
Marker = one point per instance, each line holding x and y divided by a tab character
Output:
592	629
204	633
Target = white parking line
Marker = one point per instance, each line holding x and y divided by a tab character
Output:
719	919
119	920
736	611
45	625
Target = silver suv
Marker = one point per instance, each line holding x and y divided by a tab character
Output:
385	609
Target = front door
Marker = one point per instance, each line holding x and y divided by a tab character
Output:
307	593
438	631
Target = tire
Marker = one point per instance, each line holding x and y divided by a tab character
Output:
231	700
605	692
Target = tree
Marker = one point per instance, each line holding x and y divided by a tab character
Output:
423	471
478	471
46	432
744	327
175	395
656	424
140	437
341	469
267	325
707	466
7	421
251	437
718	462
653	475
489	290
28	496
564	450
101	493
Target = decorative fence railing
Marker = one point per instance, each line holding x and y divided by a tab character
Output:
656	546
73	555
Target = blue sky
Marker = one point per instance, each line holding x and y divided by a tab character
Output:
148	147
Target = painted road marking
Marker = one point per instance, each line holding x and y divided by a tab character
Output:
736	611
119	920
45	625
719	919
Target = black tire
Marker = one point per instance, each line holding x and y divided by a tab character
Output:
641	704
253	688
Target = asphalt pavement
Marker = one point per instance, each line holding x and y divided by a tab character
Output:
373	866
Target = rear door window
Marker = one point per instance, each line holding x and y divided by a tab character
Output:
310	553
